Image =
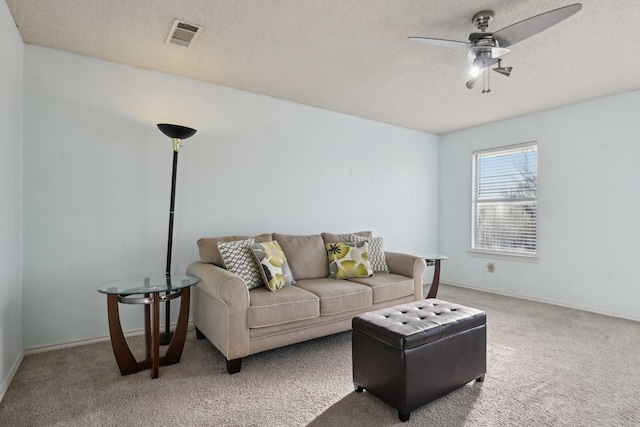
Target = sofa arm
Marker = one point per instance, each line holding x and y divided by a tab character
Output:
221	284
220	309
410	266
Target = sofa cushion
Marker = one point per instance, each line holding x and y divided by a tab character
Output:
272	264
335	238
349	259
376	252
208	247
307	255
387	286
289	304
337	296
238	259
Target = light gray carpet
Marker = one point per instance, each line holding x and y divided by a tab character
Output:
547	366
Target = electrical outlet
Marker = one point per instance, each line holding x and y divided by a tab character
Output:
491	267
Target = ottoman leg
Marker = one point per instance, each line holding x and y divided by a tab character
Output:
404	417
480	379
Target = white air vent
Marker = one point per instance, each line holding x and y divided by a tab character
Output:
183	33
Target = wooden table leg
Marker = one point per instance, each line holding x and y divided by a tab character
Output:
126	361
174	352
433	291
155	336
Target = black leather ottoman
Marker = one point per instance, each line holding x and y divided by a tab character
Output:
411	354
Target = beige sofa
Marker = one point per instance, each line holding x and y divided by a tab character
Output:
240	322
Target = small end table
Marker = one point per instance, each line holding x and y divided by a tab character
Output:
147	290
434	259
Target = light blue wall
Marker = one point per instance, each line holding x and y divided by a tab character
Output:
98	171
11	64
97	176
588	206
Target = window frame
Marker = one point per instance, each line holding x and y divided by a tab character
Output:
505	253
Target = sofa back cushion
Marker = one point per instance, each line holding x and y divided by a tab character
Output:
307	255
208	247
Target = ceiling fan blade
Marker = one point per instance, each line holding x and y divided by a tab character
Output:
534	25
444	43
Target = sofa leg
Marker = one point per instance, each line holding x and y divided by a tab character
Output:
199	335
233	366
480	379
404	417
359	389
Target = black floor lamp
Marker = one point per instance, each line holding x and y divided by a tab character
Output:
176	133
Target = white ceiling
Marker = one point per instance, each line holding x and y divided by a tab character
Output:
353	56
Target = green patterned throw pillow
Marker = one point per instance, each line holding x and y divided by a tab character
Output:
376	248
349	259
273	265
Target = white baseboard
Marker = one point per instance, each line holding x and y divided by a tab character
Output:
12	373
5	386
68	344
507	294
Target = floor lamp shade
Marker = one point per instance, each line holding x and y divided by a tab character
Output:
176	133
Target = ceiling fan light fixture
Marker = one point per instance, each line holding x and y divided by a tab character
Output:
505	71
472	81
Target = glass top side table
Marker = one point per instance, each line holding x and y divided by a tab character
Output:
146	290
433	259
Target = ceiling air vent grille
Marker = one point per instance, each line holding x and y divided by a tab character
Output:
183	33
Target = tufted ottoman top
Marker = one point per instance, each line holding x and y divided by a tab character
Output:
416	323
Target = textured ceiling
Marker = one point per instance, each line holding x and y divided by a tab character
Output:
353	56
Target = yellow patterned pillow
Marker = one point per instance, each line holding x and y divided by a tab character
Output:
349	259
273	265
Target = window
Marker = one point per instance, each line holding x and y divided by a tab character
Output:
505	204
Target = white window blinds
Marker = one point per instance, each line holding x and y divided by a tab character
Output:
505	199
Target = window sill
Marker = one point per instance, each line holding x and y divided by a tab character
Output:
503	255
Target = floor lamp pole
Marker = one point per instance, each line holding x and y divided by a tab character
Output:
176	133
165	338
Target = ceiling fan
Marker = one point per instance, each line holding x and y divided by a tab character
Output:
485	49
